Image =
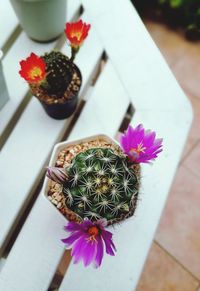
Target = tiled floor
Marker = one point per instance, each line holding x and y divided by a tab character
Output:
173	263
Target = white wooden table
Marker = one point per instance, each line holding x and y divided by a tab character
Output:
135	73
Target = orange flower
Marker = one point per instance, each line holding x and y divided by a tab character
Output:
33	69
76	32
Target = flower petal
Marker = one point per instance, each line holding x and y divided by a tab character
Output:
76	32
140	145
78	249
33	69
99	254
72	238
89	252
110	247
56	174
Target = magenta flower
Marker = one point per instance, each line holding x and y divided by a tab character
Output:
140	145
88	240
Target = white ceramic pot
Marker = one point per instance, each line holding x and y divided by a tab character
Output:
60	146
3	89
42	20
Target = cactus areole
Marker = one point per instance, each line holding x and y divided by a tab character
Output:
100	187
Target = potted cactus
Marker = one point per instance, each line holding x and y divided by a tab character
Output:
54	78
42	20
95	184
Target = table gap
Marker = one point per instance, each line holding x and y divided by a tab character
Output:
12	38
127	118
60	271
103	61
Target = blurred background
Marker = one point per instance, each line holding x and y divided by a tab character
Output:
174	259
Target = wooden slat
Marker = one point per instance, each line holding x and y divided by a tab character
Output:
38	246
17	87
30	143
106	107
8	21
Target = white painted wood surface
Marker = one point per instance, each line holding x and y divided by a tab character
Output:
135	72
8	21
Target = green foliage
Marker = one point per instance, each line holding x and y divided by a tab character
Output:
101	185
178	13
59	72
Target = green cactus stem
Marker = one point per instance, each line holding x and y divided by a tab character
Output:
101	184
59	69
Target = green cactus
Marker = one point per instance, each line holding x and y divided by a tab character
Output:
101	184
59	71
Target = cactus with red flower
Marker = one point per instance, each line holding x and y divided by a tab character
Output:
53	73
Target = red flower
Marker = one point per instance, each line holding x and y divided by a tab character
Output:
33	69
76	32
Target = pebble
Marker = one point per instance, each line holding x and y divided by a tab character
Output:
59	205
54	201
59	163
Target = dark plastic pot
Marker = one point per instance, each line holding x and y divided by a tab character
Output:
63	110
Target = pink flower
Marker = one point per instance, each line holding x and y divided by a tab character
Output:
88	240
140	145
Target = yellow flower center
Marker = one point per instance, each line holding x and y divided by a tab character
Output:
136	151
77	34
93	231
35	72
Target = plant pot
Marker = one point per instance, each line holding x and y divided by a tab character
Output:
42	20
59	108
3	89
62	156
61	111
